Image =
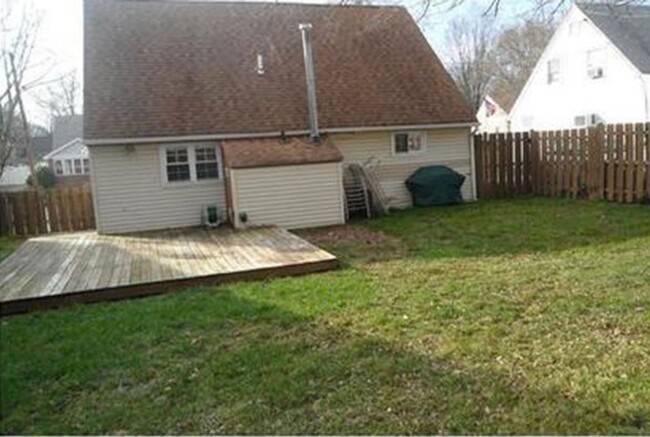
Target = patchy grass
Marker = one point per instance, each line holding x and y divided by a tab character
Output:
8	245
528	316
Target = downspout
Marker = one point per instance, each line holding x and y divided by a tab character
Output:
308	57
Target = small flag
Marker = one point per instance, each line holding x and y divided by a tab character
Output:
490	108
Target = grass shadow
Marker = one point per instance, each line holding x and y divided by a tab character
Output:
219	363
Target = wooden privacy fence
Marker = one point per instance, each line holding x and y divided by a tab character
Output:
602	162
33	212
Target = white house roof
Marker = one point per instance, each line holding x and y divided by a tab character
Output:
71	149
626	26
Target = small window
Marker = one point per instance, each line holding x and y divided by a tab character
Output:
527	121
86	163
579	120
58	167
68	167
553	71
207	166
77	166
408	142
596	63
575	28
177	164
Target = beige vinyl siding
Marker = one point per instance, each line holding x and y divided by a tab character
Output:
130	194
450	147
296	196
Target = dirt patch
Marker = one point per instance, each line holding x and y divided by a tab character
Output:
345	234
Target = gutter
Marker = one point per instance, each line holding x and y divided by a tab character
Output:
270	134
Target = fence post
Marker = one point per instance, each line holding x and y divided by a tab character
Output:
5	215
595	166
478	164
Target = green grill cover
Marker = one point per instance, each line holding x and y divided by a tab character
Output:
435	185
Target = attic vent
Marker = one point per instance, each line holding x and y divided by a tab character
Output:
260	64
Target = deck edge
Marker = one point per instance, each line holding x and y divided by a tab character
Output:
161	287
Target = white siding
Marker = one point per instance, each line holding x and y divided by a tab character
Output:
130	195
450	147
620	96
297	196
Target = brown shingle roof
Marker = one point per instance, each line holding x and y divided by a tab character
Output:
175	68
265	152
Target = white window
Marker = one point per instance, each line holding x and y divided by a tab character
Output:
58	167
408	142
575	28
67	169
77	166
527	121
579	120
587	120
189	163
86	163
207	165
596	63
553	71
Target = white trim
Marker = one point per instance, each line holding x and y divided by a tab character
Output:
62	148
192	138
191	161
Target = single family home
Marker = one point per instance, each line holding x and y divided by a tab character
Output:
595	69
256	109
70	163
69	159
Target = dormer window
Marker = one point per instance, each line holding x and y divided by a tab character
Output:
553	71
596	63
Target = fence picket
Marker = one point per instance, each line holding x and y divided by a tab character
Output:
36	211
603	162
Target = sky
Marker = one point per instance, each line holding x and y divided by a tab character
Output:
59	45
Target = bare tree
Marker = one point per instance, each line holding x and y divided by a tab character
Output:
17	45
516	53
471	43
62	97
536	9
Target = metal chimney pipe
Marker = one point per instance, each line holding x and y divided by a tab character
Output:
308	57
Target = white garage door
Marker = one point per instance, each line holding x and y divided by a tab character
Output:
293	196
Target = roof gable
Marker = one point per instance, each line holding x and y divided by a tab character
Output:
626	26
189	68
72	149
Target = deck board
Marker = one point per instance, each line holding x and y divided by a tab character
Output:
85	266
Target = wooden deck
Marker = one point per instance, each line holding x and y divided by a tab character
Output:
55	270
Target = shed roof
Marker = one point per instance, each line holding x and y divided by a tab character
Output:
184	68
268	152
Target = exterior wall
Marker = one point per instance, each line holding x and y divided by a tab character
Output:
620	96
450	147
130	195
497	122
296	196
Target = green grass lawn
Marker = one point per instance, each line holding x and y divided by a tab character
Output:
8	245
528	316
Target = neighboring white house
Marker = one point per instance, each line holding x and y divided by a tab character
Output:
492	117
595	69
70	162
